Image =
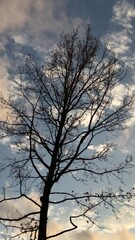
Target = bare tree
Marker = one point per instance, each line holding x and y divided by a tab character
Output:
57	111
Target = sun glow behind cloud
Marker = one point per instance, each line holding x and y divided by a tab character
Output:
116	228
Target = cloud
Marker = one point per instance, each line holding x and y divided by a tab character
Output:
4	83
120	41
9	208
122	33
4	76
14	15
100	147
118	92
124	220
36	23
16	209
123	13
88	235
48	19
118	229
29	27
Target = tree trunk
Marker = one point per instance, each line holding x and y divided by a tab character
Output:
42	233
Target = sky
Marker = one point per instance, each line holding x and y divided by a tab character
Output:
34	26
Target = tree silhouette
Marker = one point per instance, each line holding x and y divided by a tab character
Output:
57	111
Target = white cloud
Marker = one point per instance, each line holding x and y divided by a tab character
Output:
123	13
118	92
120	42
100	147
20	39
121	38
124	138
4	139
